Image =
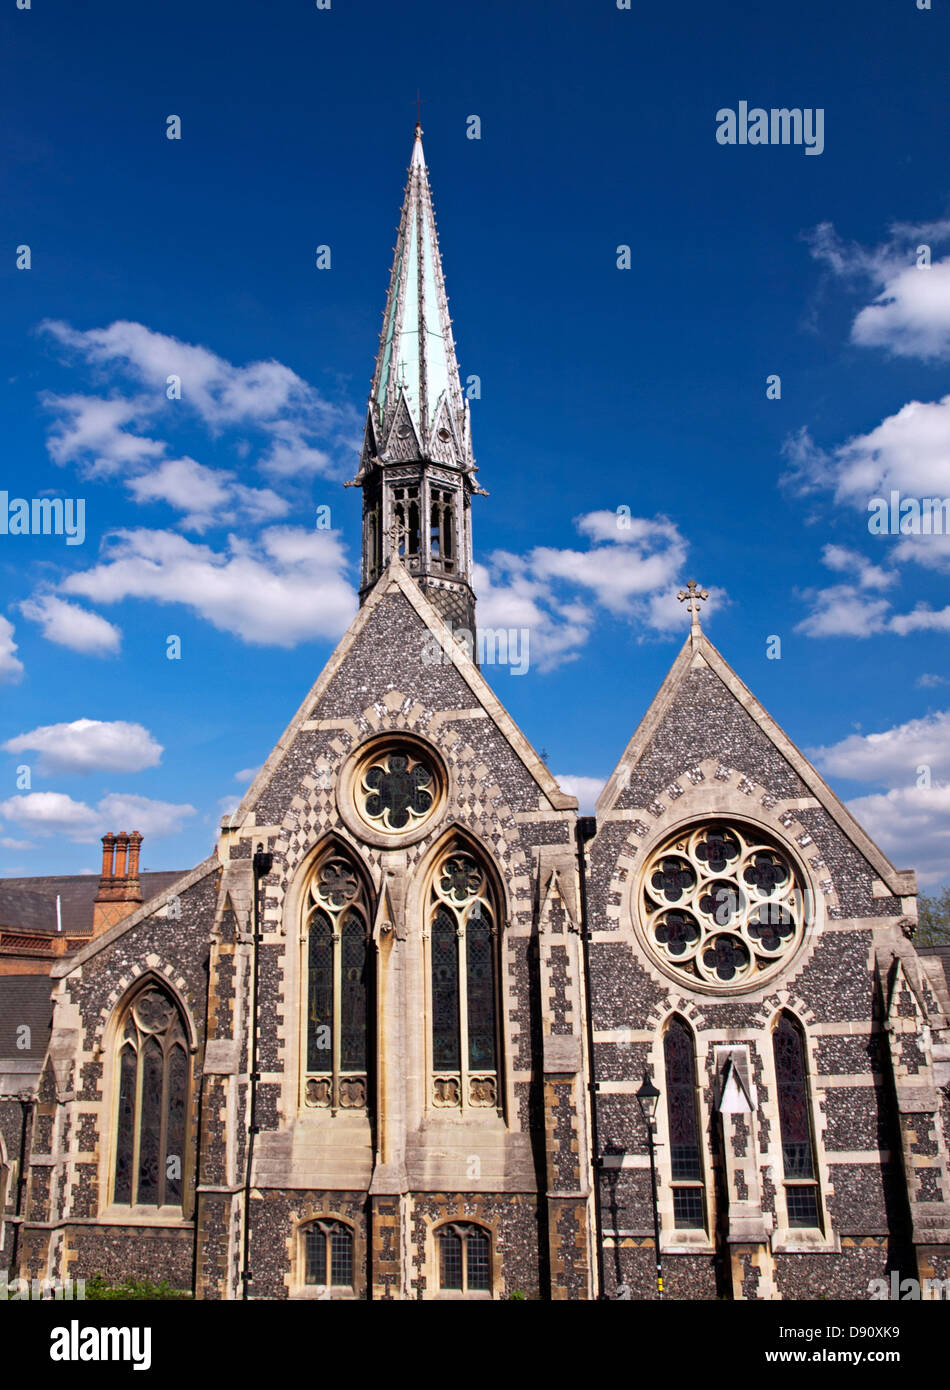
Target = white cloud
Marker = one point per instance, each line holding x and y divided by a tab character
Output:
89	745
286	587
508	597
55	813
930	679
921	619
629	571
152	818
207	496
51	813
586	789
844	611
11	667
68	625
910	822
868	576
302	429
910	313
247	774
907	451
912	827
640	561
893	756
91	431
848	610
7	843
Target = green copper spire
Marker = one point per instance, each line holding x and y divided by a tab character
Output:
417	470
416	360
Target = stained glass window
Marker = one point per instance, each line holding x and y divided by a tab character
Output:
481	991
125	1136
464	1259
338	984
464	982
353	995
722	905
397	791
801	1187
685	1165
328	1245
151	1118
320	984
445	993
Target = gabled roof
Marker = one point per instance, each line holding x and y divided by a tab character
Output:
699	651
395	577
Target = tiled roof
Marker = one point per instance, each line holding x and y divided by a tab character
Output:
29	904
25	999
33	912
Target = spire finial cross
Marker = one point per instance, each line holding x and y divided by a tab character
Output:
418	113
693	596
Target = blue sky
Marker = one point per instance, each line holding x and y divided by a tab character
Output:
601	388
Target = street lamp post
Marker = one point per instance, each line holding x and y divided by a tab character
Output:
647	1098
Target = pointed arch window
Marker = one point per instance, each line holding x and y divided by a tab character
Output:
686	1167
152	1103
794	1108
337	985
464	1258
463	977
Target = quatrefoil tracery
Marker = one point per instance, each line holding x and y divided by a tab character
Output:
722	905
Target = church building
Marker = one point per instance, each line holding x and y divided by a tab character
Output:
417	1030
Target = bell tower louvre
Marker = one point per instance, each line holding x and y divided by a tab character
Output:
417	470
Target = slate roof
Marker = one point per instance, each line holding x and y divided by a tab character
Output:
29	904
25	999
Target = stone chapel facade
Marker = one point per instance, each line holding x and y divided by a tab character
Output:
386	1041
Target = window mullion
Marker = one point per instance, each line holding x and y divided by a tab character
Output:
336	1018
137	1118
463	1015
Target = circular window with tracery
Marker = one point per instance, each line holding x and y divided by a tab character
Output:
393	790
722	905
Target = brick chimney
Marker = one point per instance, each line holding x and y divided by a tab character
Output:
119	891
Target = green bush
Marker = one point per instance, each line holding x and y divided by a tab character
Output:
99	1288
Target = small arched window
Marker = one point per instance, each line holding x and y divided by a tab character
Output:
464	1258
463	978
337	998
794	1108
328	1255
152	1103
686	1168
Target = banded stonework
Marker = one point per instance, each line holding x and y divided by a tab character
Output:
385	1043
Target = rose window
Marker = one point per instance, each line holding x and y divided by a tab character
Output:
721	905
396	791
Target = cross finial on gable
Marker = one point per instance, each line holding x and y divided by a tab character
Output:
693	596
395	535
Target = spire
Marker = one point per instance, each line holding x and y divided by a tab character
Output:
416	359
417	469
